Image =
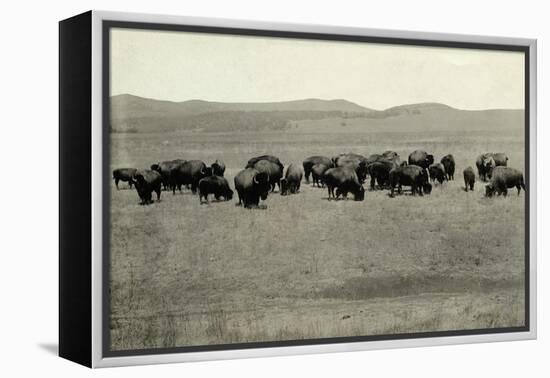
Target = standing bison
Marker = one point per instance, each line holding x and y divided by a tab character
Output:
421	158
502	179
218	168
188	173
147	182
411	175
291	182
379	171
486	162
437	172
344	180
317	172
165	169
251	185
216	185
273	171
124	174
355	161
448	162
469	178
315	160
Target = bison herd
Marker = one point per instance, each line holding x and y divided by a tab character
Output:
342	174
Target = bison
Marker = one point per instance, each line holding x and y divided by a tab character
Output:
291	182
271	158
251	185
165	169
502	179
315	160
469	178
421	159
411	175
437	172
344	180
448	162
317	172
147	182
273	170
355	161
216	185
124	174
486	162
188	173
218	168
379	171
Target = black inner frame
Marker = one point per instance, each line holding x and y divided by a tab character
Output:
106	339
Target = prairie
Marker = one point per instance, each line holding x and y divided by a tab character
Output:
187	274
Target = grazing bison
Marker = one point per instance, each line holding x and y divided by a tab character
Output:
469	178
411	175
421	159
147	182
124	174
448	162
437	172
216	185
379	171
314	160
486	162
345	180
356	161
317	172
218	168
270	158
502	179
291	182
165	168
273	170
188	173
251	185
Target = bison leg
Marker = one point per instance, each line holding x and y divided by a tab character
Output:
116	183
158	190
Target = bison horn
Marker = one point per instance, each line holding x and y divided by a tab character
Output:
255	180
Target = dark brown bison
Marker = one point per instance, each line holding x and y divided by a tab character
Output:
147	182
216	185
273	170
379	172
218	168
411	175
344	180
124	174
188	173
469	178
486	162
165	169
290	184
421	159
251	185
448	162
355	161
437	172
317	172
502	179
314	160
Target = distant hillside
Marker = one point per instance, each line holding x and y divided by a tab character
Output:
137	114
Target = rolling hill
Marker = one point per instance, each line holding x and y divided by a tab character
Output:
137	114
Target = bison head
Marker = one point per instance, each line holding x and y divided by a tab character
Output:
489	190
228	194
360	194
155	167
427	188
261	182
430	159
283	184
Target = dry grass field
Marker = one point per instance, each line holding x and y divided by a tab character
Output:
188	274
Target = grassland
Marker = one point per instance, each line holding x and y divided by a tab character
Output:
189	274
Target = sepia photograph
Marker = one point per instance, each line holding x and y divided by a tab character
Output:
268	189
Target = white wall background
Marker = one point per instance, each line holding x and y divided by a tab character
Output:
28	185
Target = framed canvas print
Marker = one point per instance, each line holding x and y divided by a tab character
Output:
236	189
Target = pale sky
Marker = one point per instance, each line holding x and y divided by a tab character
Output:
180	66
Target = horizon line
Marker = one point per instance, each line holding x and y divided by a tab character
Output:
318	99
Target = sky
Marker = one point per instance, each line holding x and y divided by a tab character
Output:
180	66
